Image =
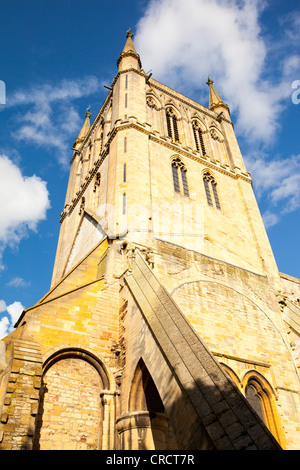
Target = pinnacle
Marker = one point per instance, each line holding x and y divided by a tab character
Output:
214	98
129	51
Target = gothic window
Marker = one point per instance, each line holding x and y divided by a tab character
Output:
260	396
255	400
198	135
211	192
172	125
179	177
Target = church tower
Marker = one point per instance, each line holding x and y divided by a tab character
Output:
167	324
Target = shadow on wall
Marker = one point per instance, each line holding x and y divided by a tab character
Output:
71	417
148	425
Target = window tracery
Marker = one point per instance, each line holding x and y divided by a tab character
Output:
151	103
211	192
172	125
179	177
198	136
260	396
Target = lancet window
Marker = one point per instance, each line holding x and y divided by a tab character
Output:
179	177
211	192
172	125
261	397
198	136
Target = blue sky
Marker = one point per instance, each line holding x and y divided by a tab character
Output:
56	57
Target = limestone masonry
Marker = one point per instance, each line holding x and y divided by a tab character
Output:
167	324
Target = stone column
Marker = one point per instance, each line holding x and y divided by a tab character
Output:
142	430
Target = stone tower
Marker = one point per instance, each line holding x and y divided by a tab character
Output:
167	324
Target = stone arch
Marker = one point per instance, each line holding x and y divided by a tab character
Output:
79	353
207	171
244	297
145	425
144	395
218	145
231	374
153	101
170	104
196	119
73	395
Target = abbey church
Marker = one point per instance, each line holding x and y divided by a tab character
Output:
167	325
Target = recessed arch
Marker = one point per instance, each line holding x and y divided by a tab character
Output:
170	104
153	101
216	133
262	397
71	406
79	353
144	395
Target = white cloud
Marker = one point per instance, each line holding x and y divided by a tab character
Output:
15	311
183	42
2	306
24	203
278	182
18	282
51	119
270	219
7	321
4	327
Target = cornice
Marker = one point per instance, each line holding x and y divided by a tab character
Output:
191	103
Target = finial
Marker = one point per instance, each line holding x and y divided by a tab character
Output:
129	33
88	113
209	81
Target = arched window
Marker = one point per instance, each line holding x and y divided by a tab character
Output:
211	192
255	400
172	125
260	396
179	177
198	135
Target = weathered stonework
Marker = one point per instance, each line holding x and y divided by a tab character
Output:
167	324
